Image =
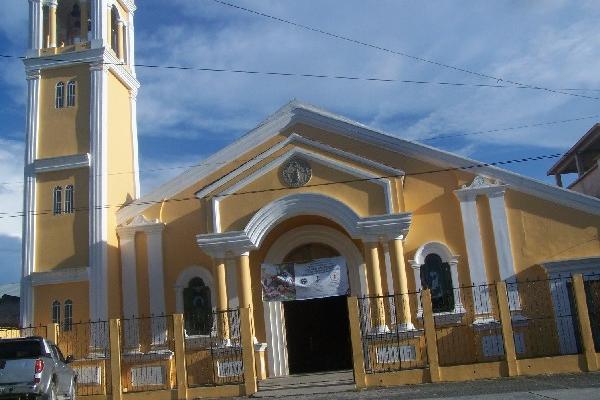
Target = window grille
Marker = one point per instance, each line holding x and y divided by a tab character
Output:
56	312
57	200
69	202
68	319
71	93
60	95
436	275
197	308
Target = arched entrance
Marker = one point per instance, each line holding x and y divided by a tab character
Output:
312	335
317	330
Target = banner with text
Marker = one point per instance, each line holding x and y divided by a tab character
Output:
324	277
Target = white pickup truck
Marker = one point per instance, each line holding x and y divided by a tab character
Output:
34	368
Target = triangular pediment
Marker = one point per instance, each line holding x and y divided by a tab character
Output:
297	112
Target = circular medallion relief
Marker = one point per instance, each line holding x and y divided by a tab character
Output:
296	172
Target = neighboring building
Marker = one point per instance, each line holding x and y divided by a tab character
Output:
303	185
582	159
9	311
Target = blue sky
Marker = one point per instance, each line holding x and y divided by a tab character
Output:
184	116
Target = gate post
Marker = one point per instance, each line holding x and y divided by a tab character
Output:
52	333
507	331
430	336
247	339
180	368
585	327
358	358
115	358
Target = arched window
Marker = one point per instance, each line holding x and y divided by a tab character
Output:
68	319
60	95
197	308
56	312
69	204
57	200
71	93
436	276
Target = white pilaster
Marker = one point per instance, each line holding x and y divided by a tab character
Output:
131	44
156	282
28	244
472	231
503	244
134	141
99	18
98	193
131	336
36	26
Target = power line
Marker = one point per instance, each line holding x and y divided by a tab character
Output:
278	189
400	53
314	75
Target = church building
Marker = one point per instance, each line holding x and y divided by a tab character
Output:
304	185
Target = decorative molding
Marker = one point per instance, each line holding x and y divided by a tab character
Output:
566	268
61	163
219	245
58	276
140	224
290	155
297	112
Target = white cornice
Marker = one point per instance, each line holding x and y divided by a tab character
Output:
297	112
61	163
63	275
565	268
140	224
100	55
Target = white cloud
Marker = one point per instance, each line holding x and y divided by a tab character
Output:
11	187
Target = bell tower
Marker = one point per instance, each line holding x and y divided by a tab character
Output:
81	162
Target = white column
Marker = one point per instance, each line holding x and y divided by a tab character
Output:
503	245
418	285
470	219
131	44
52	23
98	194
156	282
131	337
134	141
36	26
28	243
99	18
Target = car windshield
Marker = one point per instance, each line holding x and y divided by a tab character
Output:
12	349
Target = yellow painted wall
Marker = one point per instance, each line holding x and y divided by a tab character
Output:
44	295
64	131
121	180
543	231
62	240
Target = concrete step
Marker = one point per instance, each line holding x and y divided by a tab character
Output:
306	384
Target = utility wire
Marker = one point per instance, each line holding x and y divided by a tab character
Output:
400	53
278	189
310	75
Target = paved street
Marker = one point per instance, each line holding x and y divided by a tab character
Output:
557	387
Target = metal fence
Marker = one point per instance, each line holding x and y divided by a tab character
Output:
214	349
467	325
546	323
148	354
88	344
592	291
396	340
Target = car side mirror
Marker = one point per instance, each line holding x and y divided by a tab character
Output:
69	359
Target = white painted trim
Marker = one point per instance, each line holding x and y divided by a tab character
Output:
29	198
566	268
449	257
156	281
61	163
99	23
297	112
292	139
129	275
184	279
134	144
36	18
58	276
98	180
306	154
274	313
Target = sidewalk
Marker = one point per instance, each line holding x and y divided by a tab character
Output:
573	386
